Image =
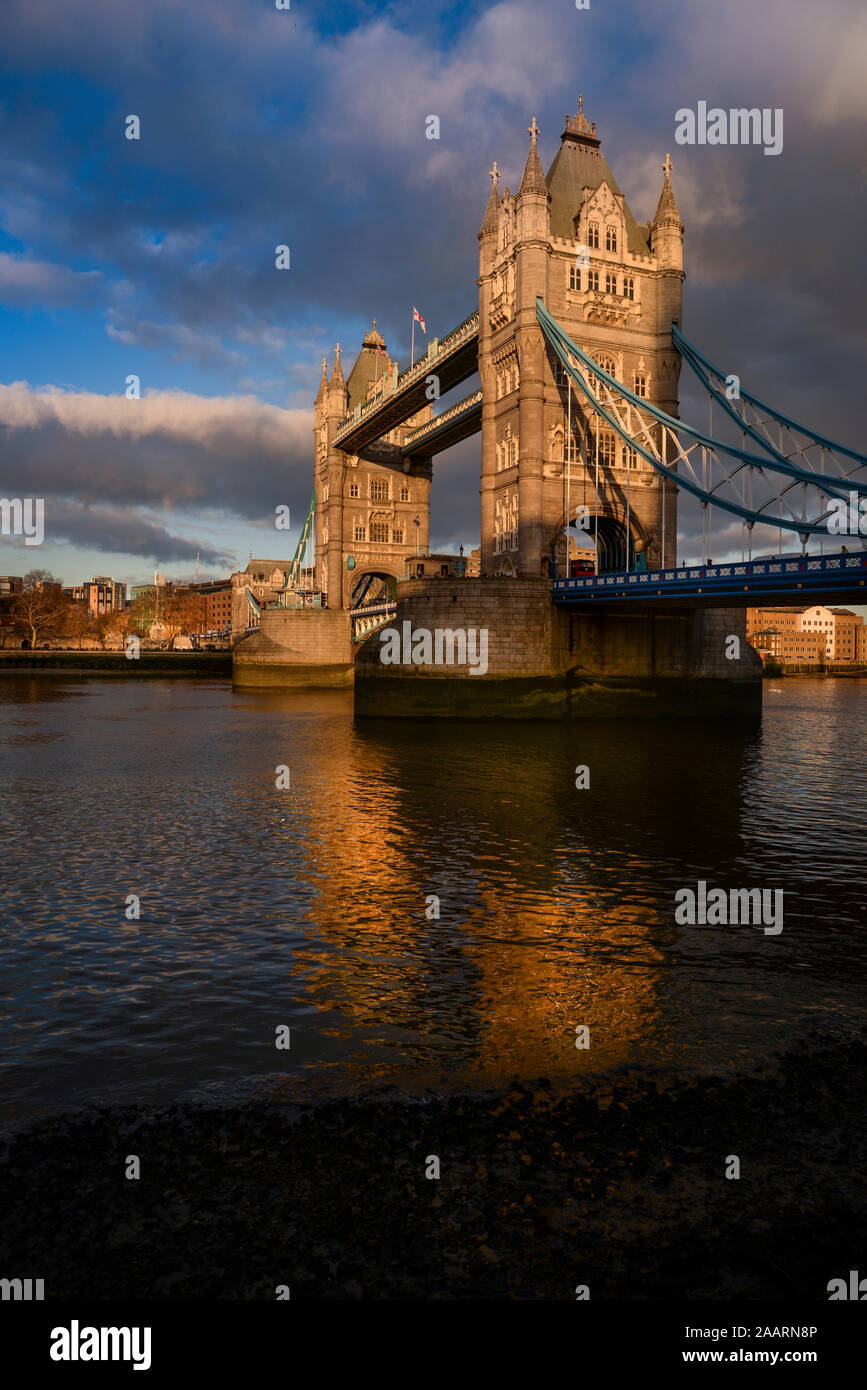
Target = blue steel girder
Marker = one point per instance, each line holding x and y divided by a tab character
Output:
715	382
659	439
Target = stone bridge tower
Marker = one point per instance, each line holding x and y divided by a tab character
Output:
373	508
615	287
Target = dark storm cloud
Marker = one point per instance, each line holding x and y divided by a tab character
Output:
115	531
169	449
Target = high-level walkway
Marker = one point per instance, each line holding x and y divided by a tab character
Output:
451	359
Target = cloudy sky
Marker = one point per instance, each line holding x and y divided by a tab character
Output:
306	127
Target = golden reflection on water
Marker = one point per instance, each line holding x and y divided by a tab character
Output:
312	906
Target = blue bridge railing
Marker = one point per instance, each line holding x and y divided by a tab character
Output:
792	576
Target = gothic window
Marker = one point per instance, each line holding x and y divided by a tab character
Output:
628	287
379	489
397	535
593	235
404	493
572	449
630	457
561	377
593	279
507	453
506	524
610	239
359	532
603	449
574	278
353	489
640	386
610	284
379	531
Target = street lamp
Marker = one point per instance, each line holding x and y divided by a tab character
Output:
417	524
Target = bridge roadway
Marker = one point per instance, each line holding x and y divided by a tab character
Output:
801	581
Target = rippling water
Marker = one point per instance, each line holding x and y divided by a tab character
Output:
308	907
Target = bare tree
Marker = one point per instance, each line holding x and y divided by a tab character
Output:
183	613
38	608
74	621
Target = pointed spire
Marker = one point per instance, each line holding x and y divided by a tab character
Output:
489	222
666	209
337	373
323	381
533	180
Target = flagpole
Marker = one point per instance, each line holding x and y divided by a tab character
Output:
412	344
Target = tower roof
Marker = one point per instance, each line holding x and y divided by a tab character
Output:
579	164
337	370
323	381
489	221
666	209
369	366
533	180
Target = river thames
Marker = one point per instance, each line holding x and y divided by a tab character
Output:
312	907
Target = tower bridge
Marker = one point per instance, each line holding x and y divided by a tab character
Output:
578	344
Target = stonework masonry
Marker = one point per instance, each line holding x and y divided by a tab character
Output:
297	647
544	662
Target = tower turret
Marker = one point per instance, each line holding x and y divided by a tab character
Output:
532	252
666	229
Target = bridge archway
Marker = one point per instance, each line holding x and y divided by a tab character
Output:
612	545
370	583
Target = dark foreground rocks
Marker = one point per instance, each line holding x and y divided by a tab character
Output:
619	1184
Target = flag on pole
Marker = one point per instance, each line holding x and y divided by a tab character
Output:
417	318
381	350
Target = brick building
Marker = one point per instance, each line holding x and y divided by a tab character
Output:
808	636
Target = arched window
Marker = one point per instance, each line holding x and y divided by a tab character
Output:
379	531
640	386
593	235
610	284
404	493
353	489
610	238
628	287
574	278
379	489
593	279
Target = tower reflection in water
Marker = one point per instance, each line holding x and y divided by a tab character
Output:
555	905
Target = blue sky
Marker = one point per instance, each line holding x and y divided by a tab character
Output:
306	127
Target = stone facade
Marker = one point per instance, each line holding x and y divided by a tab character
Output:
570	238
366	510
